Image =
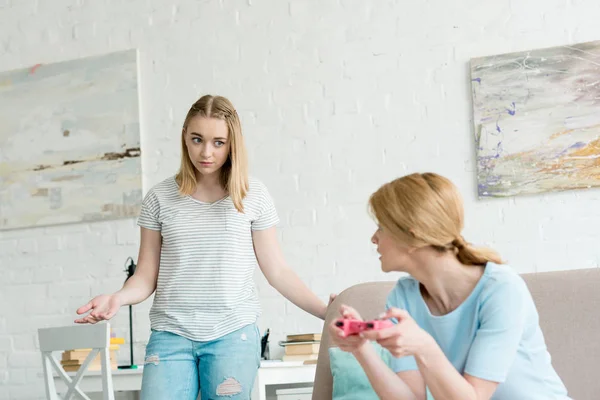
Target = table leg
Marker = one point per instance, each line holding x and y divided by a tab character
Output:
259	391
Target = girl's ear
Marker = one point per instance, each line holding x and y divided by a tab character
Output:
183	138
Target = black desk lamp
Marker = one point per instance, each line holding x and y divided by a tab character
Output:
130	270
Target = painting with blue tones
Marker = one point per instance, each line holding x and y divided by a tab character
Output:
537	120
70	142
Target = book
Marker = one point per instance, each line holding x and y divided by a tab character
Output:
82	355
304	337
75	368
308	348
72	360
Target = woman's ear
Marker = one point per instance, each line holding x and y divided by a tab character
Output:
411	249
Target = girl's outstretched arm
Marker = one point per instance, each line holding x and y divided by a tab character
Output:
283	278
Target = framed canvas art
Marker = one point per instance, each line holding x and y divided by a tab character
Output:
70	142
537	120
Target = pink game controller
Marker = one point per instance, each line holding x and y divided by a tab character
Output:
353	326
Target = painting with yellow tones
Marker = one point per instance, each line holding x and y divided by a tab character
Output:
537	120
70	142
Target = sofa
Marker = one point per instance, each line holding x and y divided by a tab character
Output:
568	304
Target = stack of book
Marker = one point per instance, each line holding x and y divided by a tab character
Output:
302	347
72	360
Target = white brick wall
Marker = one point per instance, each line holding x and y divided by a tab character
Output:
336	98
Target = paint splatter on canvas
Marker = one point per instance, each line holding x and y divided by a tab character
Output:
70	142
537	120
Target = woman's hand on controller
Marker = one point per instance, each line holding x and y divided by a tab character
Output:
406	338
351	343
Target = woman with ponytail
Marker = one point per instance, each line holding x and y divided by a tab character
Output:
466	327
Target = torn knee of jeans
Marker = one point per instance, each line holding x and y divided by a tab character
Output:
229	387
152	359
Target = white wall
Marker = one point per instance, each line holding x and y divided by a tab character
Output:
336	98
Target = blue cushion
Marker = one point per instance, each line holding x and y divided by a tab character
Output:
350	381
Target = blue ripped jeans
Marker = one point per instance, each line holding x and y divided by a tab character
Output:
222	369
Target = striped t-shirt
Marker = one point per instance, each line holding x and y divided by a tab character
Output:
205	285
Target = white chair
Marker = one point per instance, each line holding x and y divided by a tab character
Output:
96	337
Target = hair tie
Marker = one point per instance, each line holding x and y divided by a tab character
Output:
459	243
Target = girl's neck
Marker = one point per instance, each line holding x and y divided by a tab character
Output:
209	188
208	182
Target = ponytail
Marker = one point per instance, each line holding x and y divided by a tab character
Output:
471	255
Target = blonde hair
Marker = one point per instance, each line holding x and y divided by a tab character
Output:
427	210
234	173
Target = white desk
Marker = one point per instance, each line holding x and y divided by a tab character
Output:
269	373
281	373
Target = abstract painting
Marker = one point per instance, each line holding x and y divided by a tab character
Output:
537	120
70	142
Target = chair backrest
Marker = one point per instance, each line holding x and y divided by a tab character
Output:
568	303
369	300
94	337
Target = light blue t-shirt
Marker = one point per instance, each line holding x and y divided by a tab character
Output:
493	335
